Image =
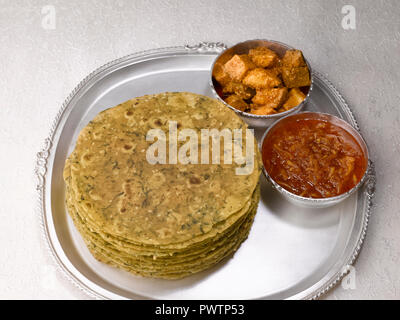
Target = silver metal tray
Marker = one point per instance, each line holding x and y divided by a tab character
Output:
291	253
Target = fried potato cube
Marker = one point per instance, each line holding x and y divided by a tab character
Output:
238	66
262	110
295	97
261	78
296	77
220	74
237	102
263	57
239	89
276	71
293	58
230	87
273	97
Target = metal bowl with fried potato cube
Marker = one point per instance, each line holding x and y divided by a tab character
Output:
262	80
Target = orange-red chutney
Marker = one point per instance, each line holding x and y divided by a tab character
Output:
313	158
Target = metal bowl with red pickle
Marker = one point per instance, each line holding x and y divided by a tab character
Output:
314	159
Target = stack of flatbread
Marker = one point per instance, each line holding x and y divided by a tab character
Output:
163	220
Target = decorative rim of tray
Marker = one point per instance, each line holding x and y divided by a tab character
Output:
202	47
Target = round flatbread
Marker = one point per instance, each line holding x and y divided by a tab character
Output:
135	198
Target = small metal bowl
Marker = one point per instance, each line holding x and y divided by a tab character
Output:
253	120
318	202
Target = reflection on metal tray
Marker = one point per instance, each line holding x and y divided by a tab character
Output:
291	252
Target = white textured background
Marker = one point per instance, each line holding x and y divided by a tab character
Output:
38	69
